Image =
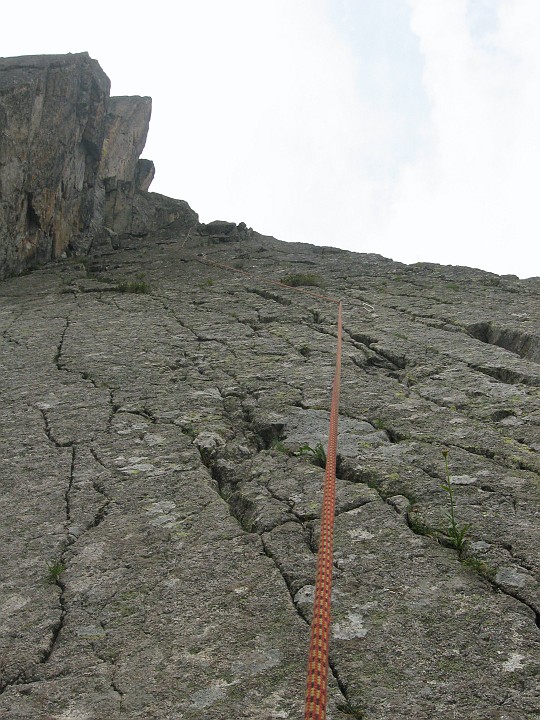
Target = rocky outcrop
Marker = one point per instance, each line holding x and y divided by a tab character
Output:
127	124
52	127
223	231
69	161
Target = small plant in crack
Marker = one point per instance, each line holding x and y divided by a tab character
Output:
417	526
318	453
55	570
139	287
302	279
346	710
280	447
305	350
455	531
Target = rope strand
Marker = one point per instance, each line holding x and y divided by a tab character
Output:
317	673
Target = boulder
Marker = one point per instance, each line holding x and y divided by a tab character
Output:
223	231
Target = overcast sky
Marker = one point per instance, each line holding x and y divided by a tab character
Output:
408	128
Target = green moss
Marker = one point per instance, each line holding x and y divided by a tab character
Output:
480	567
347	710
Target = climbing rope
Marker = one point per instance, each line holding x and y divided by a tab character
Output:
317	673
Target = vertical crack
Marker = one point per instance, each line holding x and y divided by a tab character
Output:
50	435
113	409
60	348
67	494
58	626
111	662
99	488
119	692
286	580
346	707
61	561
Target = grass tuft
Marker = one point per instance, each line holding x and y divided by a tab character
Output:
280	447
55	570
139	287
318	453
454	531
303	279
481	568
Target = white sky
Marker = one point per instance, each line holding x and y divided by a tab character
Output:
409	128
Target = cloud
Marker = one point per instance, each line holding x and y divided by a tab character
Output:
473	194
270	127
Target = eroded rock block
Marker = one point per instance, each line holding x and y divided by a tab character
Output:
52	125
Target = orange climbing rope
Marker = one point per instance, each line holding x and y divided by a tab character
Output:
317	673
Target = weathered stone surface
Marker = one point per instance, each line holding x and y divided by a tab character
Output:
224	231
128	119
130	211
52	124
151	446
69	162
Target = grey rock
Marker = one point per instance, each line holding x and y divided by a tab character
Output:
400	503
223	231
69	163
127	123
52	127
132	212
150	444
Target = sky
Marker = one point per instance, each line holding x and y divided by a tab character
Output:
407	128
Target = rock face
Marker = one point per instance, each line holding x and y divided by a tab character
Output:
160	525
160	509
69	160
